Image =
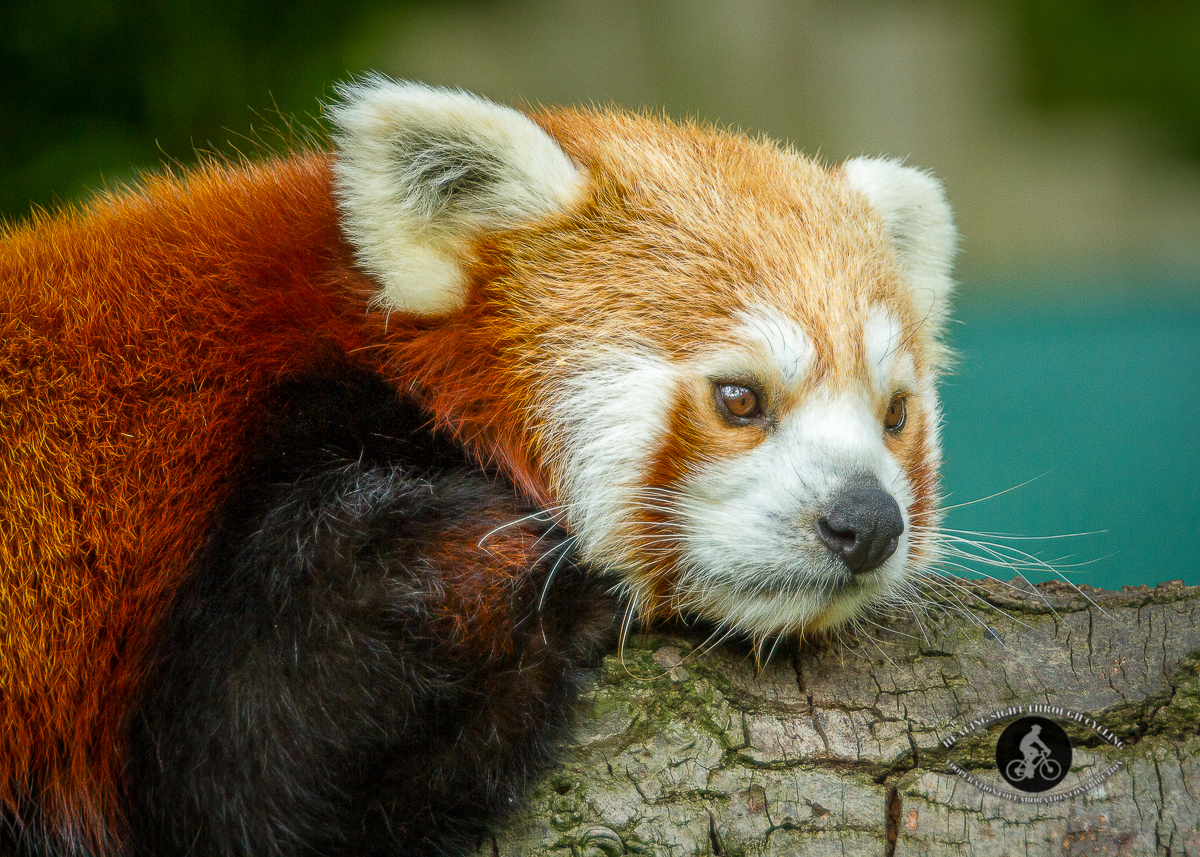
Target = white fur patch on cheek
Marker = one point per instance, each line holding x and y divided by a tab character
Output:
786	343
608	421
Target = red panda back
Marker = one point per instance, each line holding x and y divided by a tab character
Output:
133	337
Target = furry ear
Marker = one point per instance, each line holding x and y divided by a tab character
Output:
421	172
920	224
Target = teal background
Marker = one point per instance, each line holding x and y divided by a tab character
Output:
1095	397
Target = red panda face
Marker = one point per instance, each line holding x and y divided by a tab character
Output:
752	482
713	357
801	512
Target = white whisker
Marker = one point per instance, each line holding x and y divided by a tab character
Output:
994	496
565	546
546	514
950	585
1016	538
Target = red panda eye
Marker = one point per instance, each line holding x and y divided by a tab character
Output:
897	414
739	401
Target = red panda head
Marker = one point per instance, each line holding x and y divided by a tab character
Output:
716	358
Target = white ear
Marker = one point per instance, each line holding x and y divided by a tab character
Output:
422	172
920	224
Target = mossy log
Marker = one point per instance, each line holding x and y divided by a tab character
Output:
837	748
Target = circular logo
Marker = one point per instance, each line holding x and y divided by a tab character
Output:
1033	754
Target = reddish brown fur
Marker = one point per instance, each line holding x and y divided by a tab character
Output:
925	513
134	336
682	226
638	263
475	609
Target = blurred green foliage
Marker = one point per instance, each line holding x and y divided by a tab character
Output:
94	90
1139	53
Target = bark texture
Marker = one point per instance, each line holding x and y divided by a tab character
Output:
836	749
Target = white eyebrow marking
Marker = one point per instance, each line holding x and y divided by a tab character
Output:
881	348
784	340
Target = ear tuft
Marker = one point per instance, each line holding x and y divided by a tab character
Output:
917	218
423	172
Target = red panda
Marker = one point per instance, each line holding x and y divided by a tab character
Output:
319	474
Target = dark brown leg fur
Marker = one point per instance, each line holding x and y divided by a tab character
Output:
363	662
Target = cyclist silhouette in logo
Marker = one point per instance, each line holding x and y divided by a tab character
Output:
1037	761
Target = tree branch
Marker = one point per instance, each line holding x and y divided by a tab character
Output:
836	749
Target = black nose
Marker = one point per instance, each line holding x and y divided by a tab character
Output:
862	527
